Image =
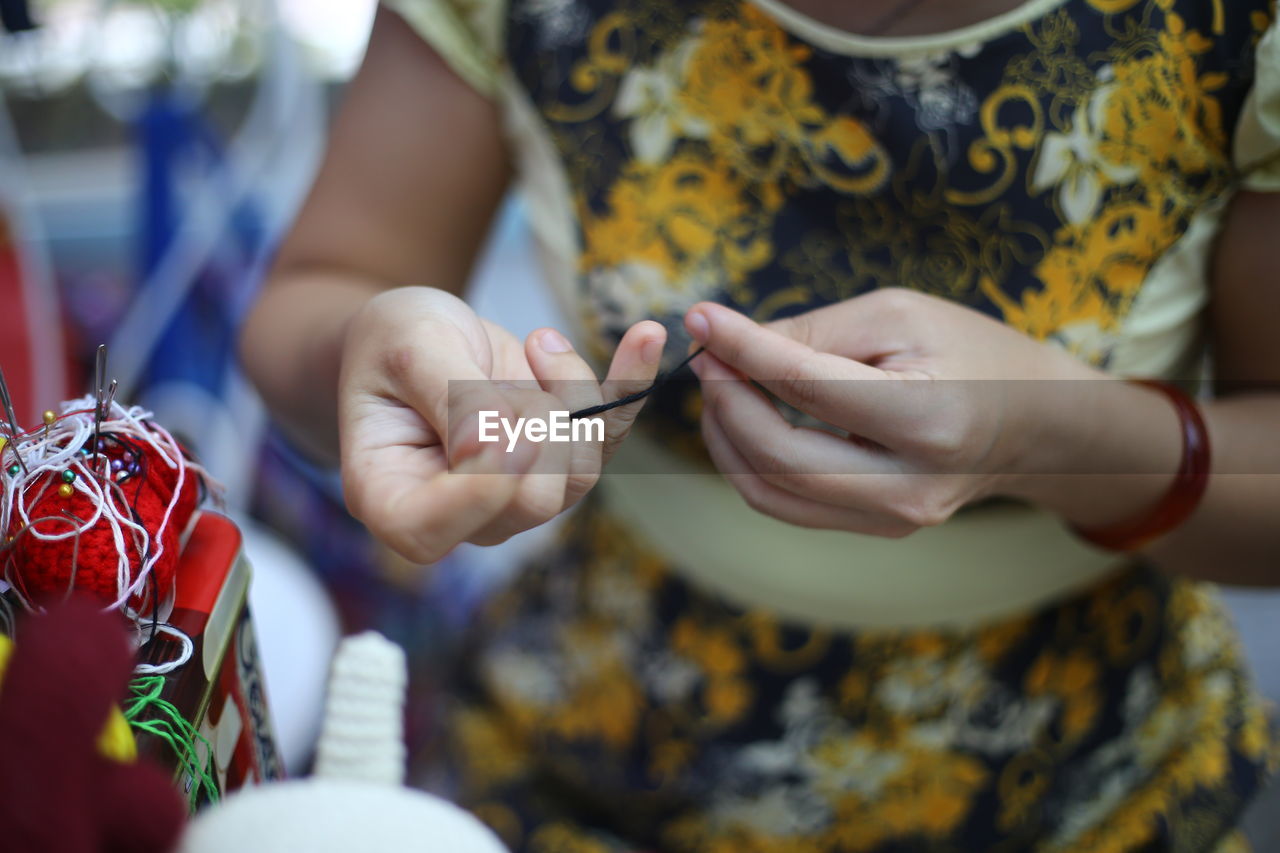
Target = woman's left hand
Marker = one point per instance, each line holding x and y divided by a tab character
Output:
920	385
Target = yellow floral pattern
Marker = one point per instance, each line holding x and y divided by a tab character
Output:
690	214
1145	150
697	218
636	712
1040	177
762	118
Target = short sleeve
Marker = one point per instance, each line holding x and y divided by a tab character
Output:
1257	139
468	34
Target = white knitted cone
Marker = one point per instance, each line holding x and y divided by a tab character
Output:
363	734
355	803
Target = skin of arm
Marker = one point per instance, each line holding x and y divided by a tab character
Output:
1234	534
404	113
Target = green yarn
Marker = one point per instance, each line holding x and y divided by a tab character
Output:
165	721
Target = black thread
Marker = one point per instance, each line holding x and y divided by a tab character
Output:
639	395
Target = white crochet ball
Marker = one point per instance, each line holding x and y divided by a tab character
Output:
323	815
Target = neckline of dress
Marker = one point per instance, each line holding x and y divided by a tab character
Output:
836	40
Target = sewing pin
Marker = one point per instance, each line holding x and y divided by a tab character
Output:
99	391
12	416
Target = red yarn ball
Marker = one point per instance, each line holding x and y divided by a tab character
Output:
42	568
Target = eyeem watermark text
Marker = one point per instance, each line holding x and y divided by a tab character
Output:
557	427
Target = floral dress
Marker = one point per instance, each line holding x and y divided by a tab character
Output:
682	674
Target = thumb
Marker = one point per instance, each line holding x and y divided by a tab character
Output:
633	369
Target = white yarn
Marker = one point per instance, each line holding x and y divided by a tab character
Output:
188	648
47	452
333	816
363	734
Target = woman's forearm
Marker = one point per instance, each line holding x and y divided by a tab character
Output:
1113	456
1234	535
291	347
415	167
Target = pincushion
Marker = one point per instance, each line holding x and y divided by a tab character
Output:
143	486
95	501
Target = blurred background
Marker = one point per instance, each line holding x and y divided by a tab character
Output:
151	154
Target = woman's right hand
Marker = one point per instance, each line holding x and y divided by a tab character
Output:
413	467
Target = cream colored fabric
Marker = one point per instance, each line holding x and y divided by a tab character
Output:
983	564
466	33
1163	334
838	41
1257	139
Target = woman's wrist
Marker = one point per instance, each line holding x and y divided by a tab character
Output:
292	347
1101	450
1183	497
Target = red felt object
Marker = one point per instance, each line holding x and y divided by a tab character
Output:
42	567
58	793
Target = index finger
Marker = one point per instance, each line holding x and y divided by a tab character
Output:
832	388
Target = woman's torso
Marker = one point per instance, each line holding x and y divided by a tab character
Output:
1061	167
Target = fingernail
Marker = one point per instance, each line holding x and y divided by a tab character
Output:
651	351
553	342
696	323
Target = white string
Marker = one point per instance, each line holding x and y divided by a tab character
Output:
47	452
188	648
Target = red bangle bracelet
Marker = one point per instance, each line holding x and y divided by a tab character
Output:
1183	496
